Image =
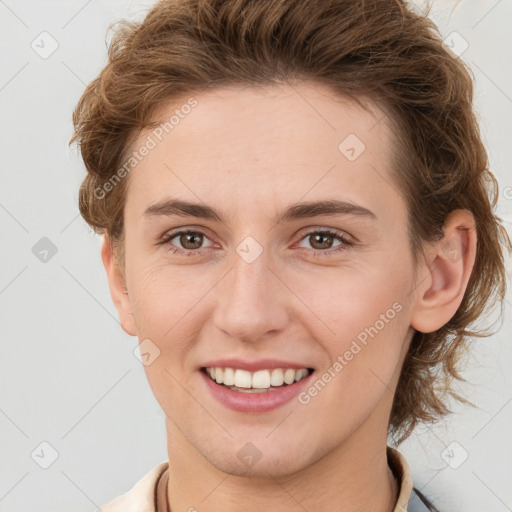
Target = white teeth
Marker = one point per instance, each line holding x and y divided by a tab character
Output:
277	377
299	374
261	379
289	375
242	378
229	377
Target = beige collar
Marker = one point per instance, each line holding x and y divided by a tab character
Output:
150	493
403	474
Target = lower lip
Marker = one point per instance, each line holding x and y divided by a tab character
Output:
254	402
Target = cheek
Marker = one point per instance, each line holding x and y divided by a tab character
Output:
162	298
364	325
163	307
347	300
364	361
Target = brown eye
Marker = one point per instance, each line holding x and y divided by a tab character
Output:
191	240
321	240
186	242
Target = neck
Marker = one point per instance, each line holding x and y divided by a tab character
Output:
354	476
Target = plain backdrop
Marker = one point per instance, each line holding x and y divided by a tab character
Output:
79	424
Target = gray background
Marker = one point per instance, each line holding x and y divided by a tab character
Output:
69	377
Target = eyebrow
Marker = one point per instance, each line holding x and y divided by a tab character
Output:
176	207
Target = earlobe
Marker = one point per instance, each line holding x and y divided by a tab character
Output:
447	272
117	285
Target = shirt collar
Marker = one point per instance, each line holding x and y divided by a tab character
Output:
396	461
150	493
402	472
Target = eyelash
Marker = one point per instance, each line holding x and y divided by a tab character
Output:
316	252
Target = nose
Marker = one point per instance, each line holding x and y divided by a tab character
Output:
252	300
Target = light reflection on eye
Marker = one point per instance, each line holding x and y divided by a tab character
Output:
195	238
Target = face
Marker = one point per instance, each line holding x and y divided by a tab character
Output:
264	283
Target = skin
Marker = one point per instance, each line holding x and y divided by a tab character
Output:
249	153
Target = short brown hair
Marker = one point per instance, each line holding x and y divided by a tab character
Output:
380	50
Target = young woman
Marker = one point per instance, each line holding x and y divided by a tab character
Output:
299	229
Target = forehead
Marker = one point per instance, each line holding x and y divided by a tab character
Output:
265	146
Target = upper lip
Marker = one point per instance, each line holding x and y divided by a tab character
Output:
253	366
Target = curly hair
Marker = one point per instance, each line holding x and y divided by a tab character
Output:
380	50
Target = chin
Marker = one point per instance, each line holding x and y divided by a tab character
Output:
263	468
256	459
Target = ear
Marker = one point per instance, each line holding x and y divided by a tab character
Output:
448	268
117	285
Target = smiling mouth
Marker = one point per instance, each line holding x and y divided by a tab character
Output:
260	381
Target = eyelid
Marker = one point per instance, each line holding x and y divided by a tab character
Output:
335	231
305	230
342	236
171	233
